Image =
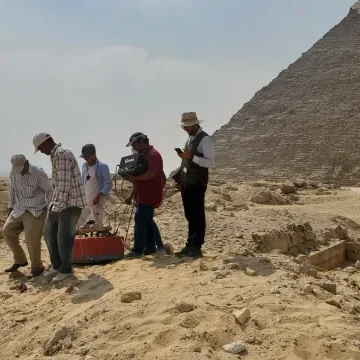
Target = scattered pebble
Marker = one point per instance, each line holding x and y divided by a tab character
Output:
221	274
69	289
275	290
242	316
197	348
330	287
203	266
184	306
131	296
357	264
308	289
235	348
250	272
21	319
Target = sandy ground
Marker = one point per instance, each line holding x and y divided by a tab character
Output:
291	315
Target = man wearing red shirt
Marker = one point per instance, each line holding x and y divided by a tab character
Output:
148	195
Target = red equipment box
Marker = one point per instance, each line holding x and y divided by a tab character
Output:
95	250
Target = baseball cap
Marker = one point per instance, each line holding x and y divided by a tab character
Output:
39	139
87	149
136	136
18	161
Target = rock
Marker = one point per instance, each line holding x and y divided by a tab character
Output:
357	264
330	287
203	266
294	197
61	333
221	274
242	316
69	289
171	266
21	319
211	207
275	290
308	289
184	306
129	297
197	348
227	197
333	302
235	348
233	266
218	267
82	352
250	272
288	188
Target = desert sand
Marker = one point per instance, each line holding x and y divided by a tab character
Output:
164	308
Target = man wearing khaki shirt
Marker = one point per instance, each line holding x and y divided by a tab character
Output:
30	194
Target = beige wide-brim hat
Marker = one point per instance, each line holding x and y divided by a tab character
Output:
190	119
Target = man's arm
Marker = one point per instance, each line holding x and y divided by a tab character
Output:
207	148
44	184
108	184
63	166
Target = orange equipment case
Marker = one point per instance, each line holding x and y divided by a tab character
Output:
94	250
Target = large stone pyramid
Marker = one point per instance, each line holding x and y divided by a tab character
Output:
306	122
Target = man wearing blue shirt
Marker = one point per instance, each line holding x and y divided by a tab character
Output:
96	178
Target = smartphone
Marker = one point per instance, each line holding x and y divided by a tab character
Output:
178	150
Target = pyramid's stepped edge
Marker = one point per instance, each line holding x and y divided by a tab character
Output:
306	122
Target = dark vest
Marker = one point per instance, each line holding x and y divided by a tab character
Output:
194	174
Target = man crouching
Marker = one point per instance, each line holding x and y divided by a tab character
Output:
148	195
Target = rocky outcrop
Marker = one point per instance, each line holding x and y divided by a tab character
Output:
305	123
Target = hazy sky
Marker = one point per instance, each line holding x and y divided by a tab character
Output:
98	70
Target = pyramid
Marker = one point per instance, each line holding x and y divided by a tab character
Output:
306	122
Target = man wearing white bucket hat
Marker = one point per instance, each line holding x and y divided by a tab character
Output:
30	195
192	178
66	206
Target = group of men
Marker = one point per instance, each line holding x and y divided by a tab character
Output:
74	199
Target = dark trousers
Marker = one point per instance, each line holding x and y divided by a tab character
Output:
147	234
59	238
194	207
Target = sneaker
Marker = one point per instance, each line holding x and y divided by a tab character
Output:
61	277
183	252
50	273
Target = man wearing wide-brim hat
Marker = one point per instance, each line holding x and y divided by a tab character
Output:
192	179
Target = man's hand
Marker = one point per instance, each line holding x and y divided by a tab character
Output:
54	216
97	199
9	211
178	187
186	155
129	200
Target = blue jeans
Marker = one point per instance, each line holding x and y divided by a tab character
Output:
59	238
147	234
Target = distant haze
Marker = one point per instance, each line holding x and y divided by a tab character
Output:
98	70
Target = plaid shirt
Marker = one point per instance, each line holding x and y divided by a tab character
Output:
66	178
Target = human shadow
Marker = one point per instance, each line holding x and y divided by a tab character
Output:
81	291
93	288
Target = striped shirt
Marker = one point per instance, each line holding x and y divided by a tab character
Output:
66	178
30	192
